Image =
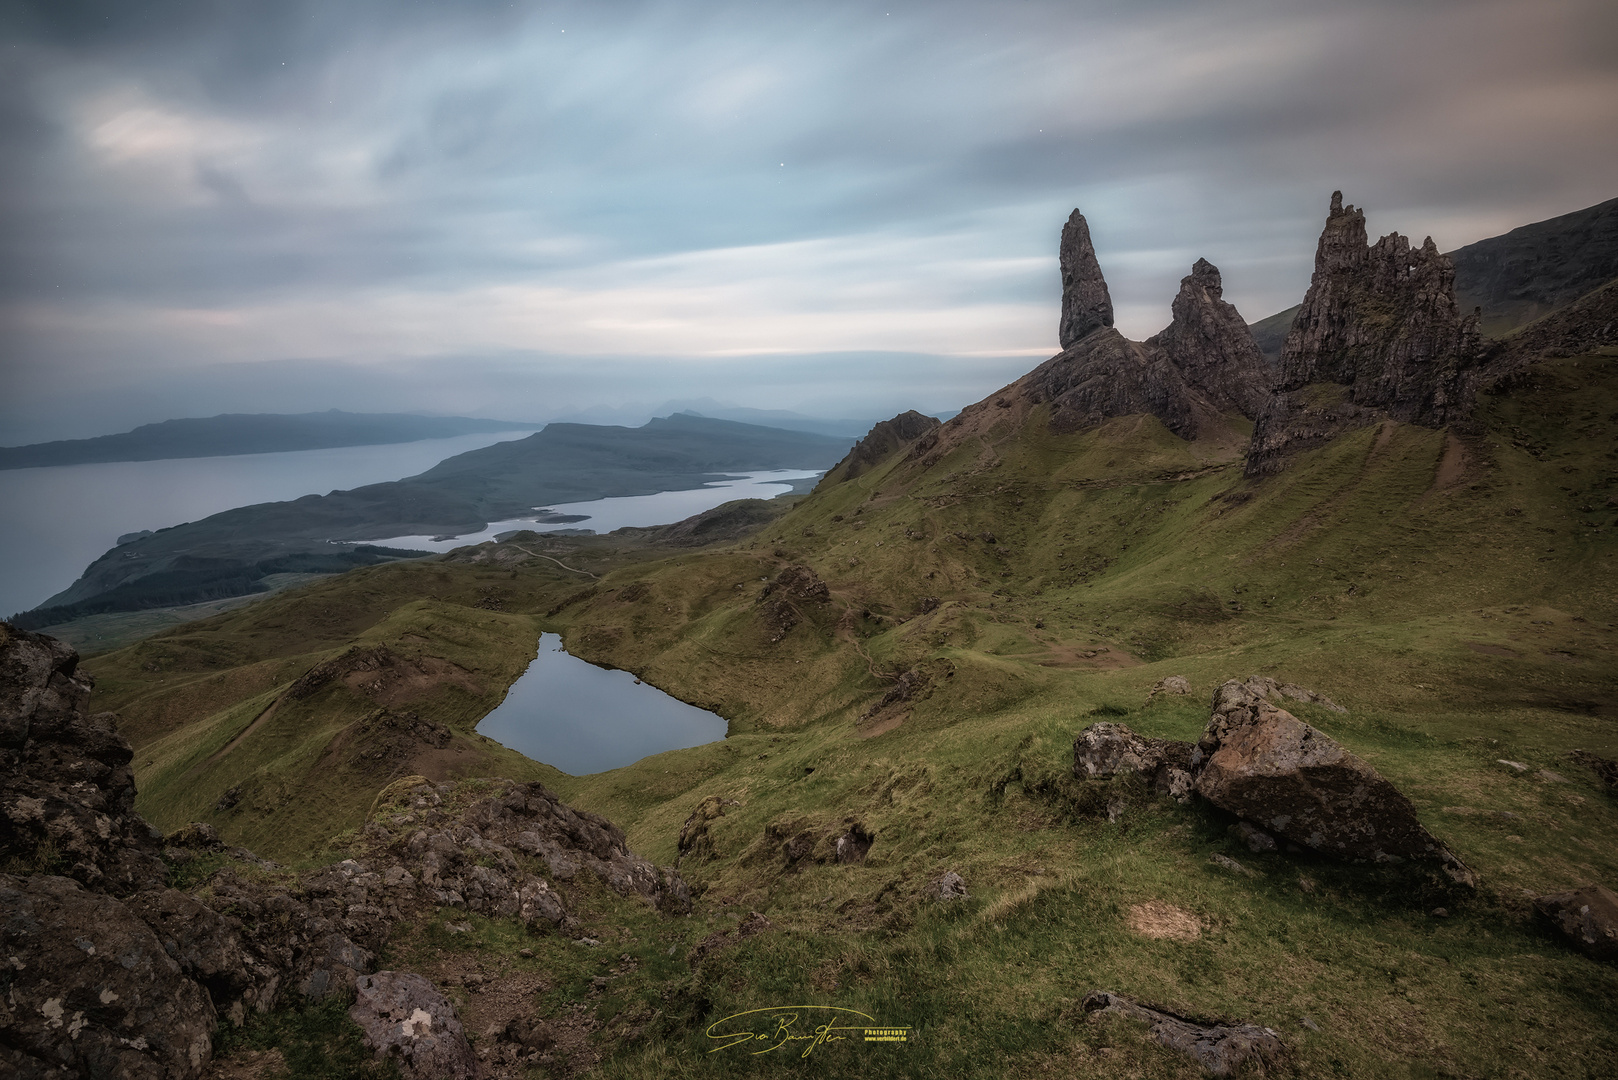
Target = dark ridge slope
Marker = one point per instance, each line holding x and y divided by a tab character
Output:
1537	268
255	433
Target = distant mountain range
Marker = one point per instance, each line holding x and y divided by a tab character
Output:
231	434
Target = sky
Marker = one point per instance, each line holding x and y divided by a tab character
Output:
846	209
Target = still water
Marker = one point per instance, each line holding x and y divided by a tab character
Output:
605	515
584	719
56	521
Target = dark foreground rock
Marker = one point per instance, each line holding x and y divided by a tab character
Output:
1588	917
89	990
107	972
406	1019
1222	1049
1267	766
1279	774
67	794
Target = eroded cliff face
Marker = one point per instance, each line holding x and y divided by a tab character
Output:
1379	321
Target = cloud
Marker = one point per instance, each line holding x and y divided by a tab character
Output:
192	187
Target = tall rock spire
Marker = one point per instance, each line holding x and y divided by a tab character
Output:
1085	303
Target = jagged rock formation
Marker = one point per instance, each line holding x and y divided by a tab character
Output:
1210	345
882	440
1379	321
107	972
67	794
1086	305
1202	365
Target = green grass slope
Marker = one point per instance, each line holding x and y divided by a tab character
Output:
986	600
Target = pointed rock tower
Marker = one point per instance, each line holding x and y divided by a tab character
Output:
1086	306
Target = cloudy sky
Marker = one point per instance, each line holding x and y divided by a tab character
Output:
844	208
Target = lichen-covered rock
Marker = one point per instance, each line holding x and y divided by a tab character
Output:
1267	766
1106	749
470	860
1222	1049
207	946
405	1019
67	794
86	986
1588	917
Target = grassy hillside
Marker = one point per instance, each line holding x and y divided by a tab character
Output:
1456	594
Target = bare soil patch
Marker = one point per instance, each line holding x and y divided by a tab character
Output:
1155	919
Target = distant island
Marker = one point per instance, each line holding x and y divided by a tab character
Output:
231	553
232	434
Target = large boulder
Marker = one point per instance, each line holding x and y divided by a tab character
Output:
407	1020
1589	918
1267	766
90	989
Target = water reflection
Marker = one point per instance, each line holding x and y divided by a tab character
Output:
605	515
585	719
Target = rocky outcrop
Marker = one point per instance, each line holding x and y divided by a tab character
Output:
1265	765
406	1020
1203	365
695	843
1588	917
1381	321
1105	375
781	600
1221	1049
470	859
883	440
107	972
1086	305
87	989
1106	749
1210	345
67	794
1277	773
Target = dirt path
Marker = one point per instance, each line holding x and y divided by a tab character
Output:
558	562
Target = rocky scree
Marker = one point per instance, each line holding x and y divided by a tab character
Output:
107	971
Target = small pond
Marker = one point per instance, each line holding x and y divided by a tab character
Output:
585	719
